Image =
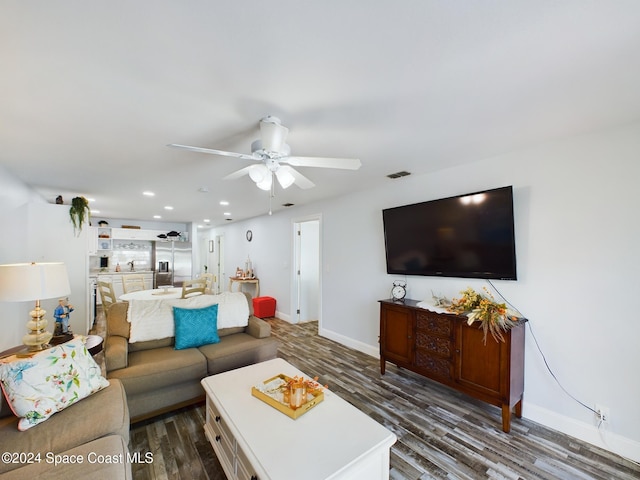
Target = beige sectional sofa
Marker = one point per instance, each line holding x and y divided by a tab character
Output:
158	378
88	439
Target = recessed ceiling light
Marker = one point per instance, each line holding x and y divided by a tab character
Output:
91	199
224	202
148	194
203	189
93	212
206	220
168	207
157	217
226	214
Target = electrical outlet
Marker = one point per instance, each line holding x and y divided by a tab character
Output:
602	414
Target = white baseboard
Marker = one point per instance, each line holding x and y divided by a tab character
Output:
349	342
283	316
612	442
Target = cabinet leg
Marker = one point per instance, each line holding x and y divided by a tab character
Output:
518	409
383	364
506	418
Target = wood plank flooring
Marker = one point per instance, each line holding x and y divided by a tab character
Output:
441	433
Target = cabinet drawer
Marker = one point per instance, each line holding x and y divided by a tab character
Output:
433	365
244	469
218	424
435	324
434	344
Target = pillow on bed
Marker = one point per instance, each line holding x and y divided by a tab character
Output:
196	326
49	381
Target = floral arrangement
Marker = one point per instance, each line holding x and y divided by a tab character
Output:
494	317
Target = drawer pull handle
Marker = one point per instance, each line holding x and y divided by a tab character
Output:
217	418
254	477
217	438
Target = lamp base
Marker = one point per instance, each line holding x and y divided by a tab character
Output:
37	339
26	352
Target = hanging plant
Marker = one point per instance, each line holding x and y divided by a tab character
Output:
79	213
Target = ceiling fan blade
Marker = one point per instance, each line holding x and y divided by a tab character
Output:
238	173
343	163
273	134
299	179
211	151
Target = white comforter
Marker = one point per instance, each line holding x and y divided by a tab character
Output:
153	319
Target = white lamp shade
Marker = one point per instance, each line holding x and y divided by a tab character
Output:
21	282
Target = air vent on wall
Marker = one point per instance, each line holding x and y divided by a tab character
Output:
399	174
288	204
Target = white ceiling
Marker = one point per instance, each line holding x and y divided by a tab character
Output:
92	92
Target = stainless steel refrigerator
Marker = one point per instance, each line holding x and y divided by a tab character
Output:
172	262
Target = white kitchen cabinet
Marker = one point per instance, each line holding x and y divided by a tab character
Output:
135	234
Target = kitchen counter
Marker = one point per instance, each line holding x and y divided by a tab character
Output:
124	272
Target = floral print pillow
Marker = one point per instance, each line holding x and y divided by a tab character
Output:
48	382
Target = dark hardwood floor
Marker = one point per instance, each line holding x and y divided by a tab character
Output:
441	433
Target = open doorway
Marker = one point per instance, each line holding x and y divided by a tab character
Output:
212	253
307	273
219	279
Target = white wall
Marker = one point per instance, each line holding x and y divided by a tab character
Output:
13	194
577	232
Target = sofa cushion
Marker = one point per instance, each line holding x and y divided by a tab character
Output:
112	447
5	410
49	381
149	370
117	320
239	350
196	326
104	413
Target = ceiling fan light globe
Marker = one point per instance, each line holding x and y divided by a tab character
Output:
285	179
265	184
258	173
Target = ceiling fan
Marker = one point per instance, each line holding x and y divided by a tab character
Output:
274	156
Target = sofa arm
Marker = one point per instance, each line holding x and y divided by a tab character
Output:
116	353
258	328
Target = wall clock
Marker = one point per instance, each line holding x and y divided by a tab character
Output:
249	235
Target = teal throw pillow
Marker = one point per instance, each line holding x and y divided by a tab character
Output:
196	326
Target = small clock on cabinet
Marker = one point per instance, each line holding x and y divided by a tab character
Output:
399	290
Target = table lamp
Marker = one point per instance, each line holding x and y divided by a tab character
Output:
21	282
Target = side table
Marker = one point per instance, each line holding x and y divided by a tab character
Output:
242	281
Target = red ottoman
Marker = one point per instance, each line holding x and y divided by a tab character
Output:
264	307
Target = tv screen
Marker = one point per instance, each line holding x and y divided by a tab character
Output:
469	236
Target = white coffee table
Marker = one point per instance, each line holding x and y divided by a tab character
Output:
253	440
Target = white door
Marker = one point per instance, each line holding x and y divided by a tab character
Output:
307	271
219	280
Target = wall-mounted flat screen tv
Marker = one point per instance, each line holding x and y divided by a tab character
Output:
469	236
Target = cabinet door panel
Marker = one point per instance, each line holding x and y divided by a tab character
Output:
479	365
396	335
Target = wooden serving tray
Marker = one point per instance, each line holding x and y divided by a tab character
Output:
318	396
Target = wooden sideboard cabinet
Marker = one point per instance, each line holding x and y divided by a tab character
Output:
444	348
